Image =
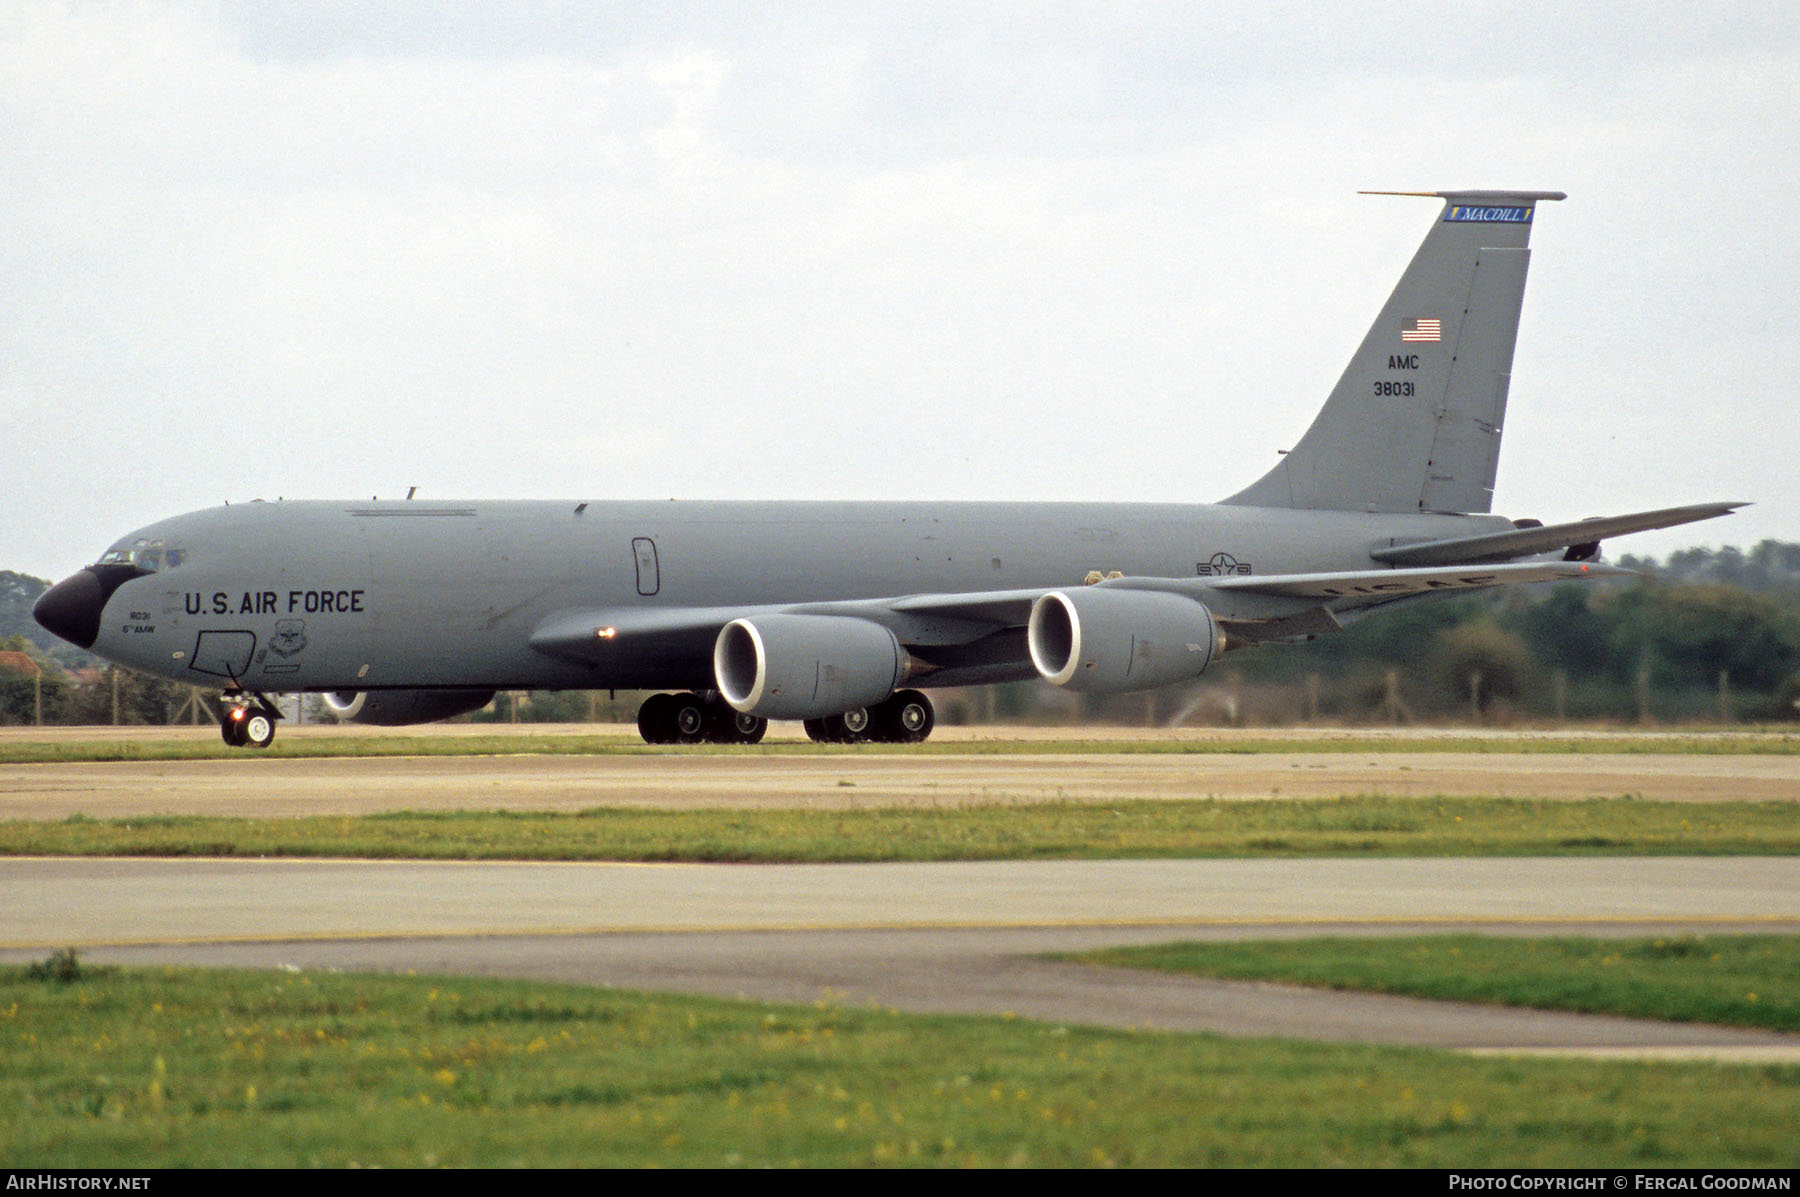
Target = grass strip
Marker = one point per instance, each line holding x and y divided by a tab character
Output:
1730	980
1371	825
207	746
180	1068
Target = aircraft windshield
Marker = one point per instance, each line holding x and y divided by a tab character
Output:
151	555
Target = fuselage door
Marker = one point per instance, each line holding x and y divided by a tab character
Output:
644	549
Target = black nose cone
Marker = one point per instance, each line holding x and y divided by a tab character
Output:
72	608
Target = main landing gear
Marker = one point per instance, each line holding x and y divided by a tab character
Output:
905	718
248	720
691	719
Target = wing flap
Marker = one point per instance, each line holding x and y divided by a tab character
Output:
1304	625
1381	584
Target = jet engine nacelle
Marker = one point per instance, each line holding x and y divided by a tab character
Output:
1107	639
805	666
396	708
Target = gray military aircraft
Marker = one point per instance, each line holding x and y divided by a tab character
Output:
837	613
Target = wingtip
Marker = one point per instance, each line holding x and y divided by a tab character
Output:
1704	511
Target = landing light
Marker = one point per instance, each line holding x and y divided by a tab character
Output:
606	633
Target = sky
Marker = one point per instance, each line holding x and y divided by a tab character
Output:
1002	250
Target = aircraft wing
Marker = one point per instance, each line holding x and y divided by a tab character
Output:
939	628
980	636
1529	542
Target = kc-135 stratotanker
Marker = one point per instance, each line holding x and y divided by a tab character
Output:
841	613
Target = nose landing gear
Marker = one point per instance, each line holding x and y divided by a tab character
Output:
248	720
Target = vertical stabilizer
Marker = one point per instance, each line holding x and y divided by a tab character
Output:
1414	423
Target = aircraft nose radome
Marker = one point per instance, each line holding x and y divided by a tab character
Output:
71	608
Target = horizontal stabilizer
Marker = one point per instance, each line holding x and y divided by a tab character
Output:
1528	542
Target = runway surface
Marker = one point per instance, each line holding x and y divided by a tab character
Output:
938	937
277	786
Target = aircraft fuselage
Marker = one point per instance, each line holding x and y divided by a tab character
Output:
362	596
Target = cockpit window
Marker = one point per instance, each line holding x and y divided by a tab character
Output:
150	555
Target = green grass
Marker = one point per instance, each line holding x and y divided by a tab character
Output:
153	1068
204	745
1357	826
1732	980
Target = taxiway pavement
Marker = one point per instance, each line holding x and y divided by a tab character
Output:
940	937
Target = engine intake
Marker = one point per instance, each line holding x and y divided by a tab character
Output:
1107	640
806	666
397	708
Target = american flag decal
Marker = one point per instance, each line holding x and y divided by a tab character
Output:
1422	328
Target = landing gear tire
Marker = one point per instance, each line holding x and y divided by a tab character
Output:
815	731
852	727
257	729
690	719
656	719
906	718
732	726
231	728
